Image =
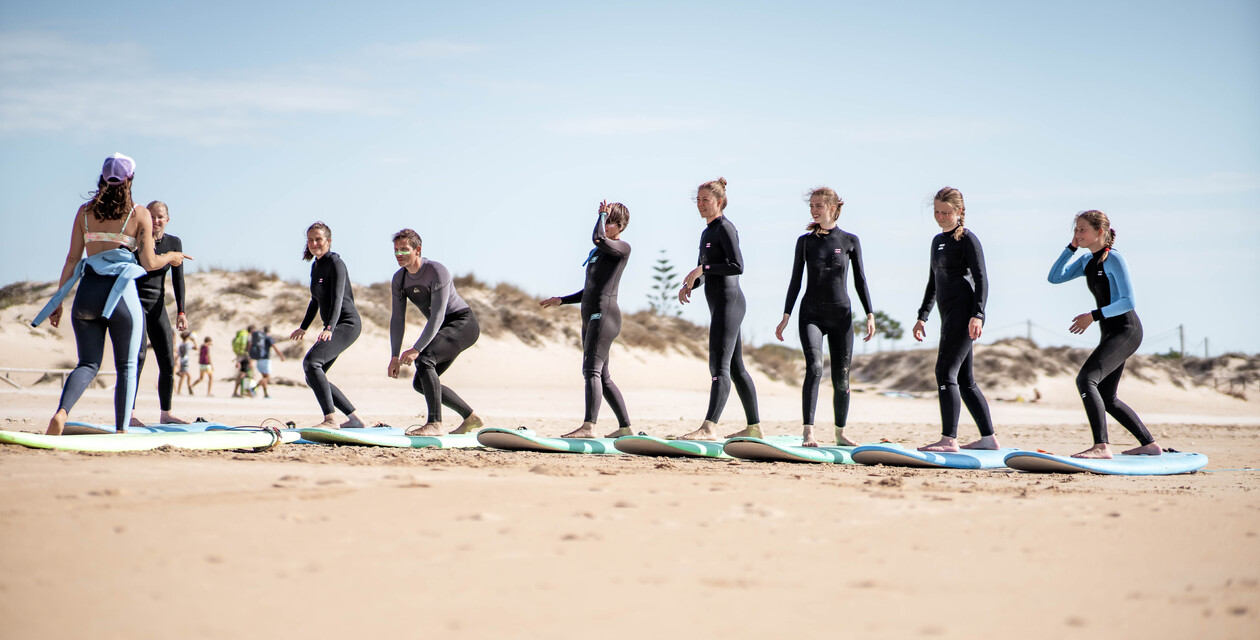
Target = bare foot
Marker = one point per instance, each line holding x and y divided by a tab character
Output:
57	424
1097	452
842	440
705	432
428	429
328	423
751	431
135	422
587	430
167	418
989	443
1151	449
470	424
807	437
353	422
621	433
944	445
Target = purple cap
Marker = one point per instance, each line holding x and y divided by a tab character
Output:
118	168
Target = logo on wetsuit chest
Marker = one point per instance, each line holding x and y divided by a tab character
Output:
415	289
839	251
321	281
708	244
1100	273
940	246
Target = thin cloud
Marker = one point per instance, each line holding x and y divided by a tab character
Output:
1225	183
423	49
626	125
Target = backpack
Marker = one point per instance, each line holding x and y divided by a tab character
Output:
240	344
258	346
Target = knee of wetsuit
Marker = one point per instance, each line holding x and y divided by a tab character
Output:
944	375
1085	381
813	366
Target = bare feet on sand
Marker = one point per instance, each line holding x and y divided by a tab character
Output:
587	430
135	422
621	433
470	424
168	418
807	436
1100	451
705	432
328	423
751	431
842	440
989	443
57	423
944	445
428	429
1151	449
352	422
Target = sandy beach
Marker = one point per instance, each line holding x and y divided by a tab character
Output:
327	542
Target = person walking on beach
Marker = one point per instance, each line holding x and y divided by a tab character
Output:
450	328
106	303
244	372
151	288
205	367
825	252
601	317
1107	276
186	346
332	298
718	269
959	285
261	344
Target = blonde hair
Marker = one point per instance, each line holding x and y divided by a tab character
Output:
718	189
1099	221
828	196
954	198
155	205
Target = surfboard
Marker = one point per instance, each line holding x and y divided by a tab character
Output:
388	437
653	446
897	456
767	450
522	440
75	428
235	439
1121	465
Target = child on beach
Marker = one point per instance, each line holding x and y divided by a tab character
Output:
186	346
207	368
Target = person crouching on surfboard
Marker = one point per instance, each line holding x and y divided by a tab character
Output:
601	317
1107	276
450	328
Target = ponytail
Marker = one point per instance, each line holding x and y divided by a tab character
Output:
954	198
1100	223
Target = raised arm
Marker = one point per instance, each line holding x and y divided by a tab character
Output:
859	275
1065	269
618	248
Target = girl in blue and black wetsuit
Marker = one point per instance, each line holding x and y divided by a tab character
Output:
959	286
825	252
719	267
1121	331
106	301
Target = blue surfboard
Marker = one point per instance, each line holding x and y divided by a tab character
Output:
894	456
767	450
1121	465
76	428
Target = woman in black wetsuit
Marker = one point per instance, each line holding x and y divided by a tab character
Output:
152	291
601	317
333	299
718	270
826	310
1107	276
958	282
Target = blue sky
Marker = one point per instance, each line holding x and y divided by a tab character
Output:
494	129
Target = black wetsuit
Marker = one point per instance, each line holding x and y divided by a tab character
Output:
826	310
721	264
333	299
958	283
451	328
601	321
1121	334
152	291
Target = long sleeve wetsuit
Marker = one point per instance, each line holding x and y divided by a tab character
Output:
152	291
601	321
826	310
957	282
449	329
333	299
1121	334
721	264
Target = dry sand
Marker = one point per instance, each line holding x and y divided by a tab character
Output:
322	542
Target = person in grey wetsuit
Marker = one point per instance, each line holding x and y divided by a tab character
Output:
601	317
106	302
450	328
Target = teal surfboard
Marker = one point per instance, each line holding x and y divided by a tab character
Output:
234	439
652	446
521	440
768	450
388	437
1121	465
75	428
896	456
